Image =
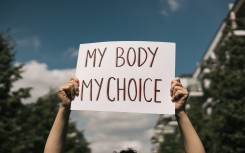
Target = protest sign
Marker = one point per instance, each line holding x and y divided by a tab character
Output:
125	76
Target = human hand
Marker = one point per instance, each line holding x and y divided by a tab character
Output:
179	95
68	91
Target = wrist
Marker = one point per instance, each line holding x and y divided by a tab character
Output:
65	109
179	113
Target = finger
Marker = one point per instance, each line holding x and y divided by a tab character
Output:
180	94
75	79
71	91
183	95
67	89
171	87
175	96
176	79
64	88
73	94
75	85
63	96
76	89
176	88
175	83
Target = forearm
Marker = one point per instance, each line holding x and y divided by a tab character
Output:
192	142
57	136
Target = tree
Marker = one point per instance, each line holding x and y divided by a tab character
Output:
201	121
42	115
227	93
25	128
10	101
172	143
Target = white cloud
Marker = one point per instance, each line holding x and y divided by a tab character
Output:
33	42
106	131
117	144
164	12
136	121
38	76
170	6
71	52
116	131
174	5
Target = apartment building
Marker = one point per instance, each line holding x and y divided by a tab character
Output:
166	124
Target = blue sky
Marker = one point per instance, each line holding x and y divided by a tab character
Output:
47	34
48	31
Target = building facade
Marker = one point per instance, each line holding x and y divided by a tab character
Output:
166	124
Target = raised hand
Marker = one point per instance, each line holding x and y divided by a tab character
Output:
68	91
179	94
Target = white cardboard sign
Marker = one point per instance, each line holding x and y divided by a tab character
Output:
125	76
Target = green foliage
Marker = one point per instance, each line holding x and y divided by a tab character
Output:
10	101
227	92
39	118
172	144
25	128
76	142
200	121
224	129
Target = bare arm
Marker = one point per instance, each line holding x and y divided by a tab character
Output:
192	142
57	136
